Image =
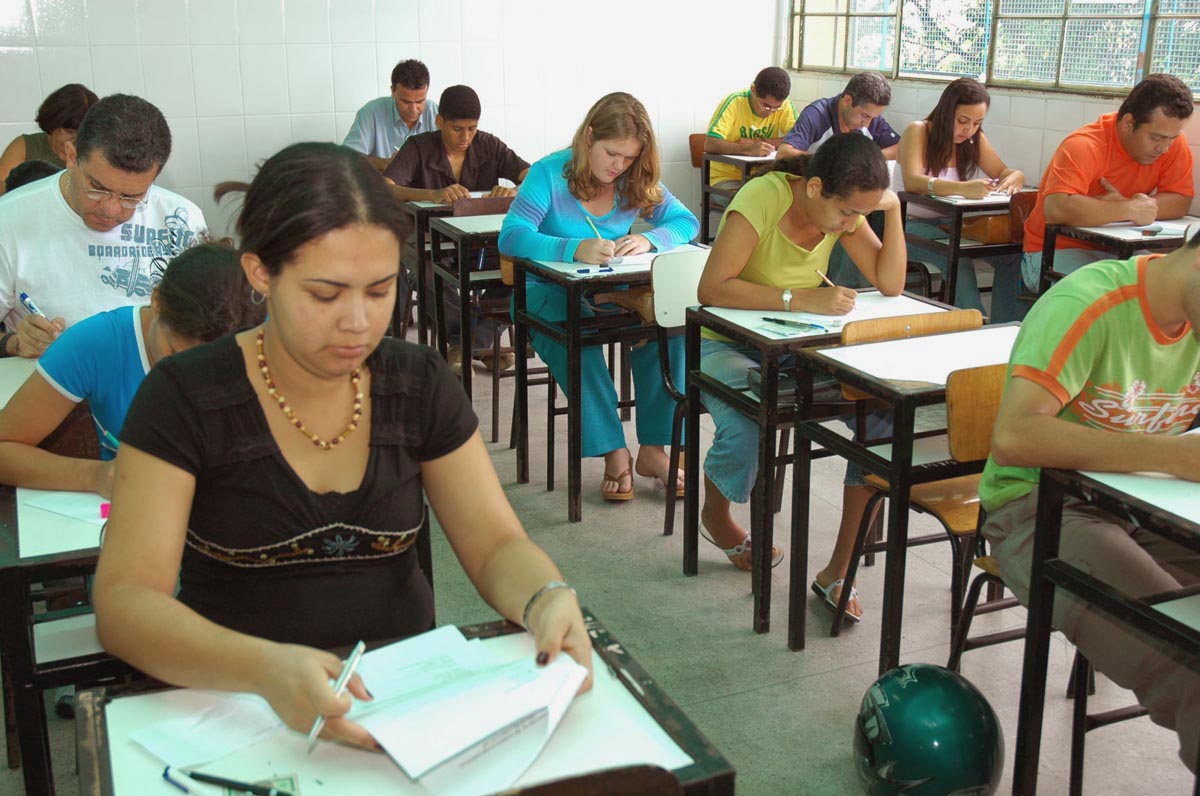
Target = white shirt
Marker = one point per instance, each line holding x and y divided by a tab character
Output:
72	271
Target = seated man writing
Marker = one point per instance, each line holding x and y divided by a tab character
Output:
750	122
447	165
1105	375
1132	165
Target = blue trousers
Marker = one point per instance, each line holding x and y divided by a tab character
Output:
601	425
732	461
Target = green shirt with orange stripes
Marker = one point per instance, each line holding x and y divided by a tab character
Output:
1093	343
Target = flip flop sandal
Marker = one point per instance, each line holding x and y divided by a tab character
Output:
740	554
617	496
826	595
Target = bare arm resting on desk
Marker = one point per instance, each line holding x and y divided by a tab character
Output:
28	418
1089	211
743	146
1027	418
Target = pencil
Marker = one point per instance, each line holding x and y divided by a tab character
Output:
593	226
825	279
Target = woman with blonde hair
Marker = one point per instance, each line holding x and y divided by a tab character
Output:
577	205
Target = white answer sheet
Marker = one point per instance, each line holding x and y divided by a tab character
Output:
50	522
930	359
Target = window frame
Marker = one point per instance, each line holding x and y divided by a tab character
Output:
1150	17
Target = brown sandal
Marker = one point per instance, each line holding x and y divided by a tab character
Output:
617	496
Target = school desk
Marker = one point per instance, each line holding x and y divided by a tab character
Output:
1122	239
626	719
776	346
1165	506
470	237
747	163
954	246
904	374
579	280
419	214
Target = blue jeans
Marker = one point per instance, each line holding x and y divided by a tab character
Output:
732	461
1065	261
601	425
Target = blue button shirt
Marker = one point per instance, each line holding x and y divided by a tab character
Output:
378	129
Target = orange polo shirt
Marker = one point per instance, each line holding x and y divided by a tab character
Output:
1093	152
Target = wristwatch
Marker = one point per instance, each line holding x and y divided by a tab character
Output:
787	299
932	180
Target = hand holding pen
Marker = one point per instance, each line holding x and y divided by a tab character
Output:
596	251
298	688
35	332
835	301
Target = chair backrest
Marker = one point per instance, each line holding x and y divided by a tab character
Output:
674	281
696	147
878	329
972	402
480	205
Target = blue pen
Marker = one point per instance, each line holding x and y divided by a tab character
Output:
597	270
797	324
28	304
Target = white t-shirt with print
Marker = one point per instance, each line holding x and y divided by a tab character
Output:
72	271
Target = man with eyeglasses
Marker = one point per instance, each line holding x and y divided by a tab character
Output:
85	240
859	107
749	122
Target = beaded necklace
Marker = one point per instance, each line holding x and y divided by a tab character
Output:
355	377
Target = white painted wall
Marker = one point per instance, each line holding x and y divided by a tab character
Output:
238	79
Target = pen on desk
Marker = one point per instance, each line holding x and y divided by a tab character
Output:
28	304
825	279
188	786
230	784
599	269
795	324
339	688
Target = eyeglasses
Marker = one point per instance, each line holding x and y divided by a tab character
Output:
97	195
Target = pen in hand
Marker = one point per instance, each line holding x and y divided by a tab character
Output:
28	304
339	688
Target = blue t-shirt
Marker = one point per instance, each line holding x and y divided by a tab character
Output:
102	359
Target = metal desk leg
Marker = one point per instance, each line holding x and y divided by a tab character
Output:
521	398
28	705
1037	639
466	335
705	200
574	408
762	499
801	492
1048	245
954	243
900	479
691	454
422	288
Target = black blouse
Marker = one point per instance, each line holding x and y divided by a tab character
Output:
267	556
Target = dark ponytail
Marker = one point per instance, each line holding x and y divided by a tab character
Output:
204	294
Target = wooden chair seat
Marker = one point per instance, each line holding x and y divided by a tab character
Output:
954	501
988	564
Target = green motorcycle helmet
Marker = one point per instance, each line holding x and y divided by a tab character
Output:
923	730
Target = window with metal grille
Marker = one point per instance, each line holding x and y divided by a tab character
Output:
1087	46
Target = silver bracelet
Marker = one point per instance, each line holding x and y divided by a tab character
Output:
537	595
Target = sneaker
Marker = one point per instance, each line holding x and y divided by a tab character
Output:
454	359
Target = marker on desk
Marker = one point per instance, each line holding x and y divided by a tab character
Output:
28	304
1150	232
797	324
339	688
105	507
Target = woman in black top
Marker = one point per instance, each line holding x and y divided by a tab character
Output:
278	473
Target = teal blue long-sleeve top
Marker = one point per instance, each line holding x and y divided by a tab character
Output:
545	222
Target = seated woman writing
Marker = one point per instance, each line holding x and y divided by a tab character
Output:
279	475
948	154
771	251
578	205
202	295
